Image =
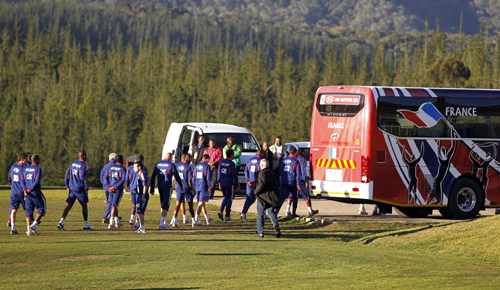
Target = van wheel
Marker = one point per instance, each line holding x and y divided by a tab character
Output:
413	212
465	200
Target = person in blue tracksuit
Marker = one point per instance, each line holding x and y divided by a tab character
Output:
303	187
290	176
130	178
251	172
142	196
186	193
105	185
116	179
16	175
202	179
33	195
228	179
74	180
165	170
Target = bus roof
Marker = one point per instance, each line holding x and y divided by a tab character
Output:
418	92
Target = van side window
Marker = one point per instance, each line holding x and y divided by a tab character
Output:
186	141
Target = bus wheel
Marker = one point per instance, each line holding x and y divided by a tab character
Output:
465	200
445	213
413	212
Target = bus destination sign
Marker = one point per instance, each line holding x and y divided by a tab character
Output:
339	100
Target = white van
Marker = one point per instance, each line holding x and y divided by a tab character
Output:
182	138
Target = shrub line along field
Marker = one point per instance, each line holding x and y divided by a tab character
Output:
361	255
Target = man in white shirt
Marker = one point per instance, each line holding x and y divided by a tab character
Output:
279	152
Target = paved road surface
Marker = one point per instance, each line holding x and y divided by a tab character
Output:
338	211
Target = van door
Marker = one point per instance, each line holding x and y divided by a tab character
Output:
187	140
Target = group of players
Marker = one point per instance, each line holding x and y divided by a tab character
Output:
188	180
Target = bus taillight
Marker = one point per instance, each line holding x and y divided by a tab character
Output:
365	169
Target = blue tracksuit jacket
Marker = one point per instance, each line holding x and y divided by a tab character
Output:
290	171
185	173
116	176
32	177
104	174
202	176
16	175
75	176
165	170
228	174
252	169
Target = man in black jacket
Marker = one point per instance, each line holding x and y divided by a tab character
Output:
267	193
269	154
200	149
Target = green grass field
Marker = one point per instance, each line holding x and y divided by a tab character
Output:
229	255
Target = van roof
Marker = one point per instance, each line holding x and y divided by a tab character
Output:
216	127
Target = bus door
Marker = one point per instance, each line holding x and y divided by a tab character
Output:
338	140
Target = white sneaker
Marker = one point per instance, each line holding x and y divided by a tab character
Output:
29	233
163	227
243	217
88	228
186	221
33	228
174	223
196	223
140	231
209	221
112	226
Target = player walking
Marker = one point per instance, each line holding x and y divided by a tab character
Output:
186	174
33	195
142	196
202	178
74	180
116	179
16	175
227	178
165	170
105	186
251	172
290	178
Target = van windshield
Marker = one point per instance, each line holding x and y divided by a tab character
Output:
246	142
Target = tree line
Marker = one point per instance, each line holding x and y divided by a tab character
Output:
60	94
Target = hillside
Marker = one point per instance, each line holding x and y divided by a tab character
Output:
476	239
378	15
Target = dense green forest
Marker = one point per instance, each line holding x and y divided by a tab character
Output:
76	76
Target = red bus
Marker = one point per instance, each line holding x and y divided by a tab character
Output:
415	149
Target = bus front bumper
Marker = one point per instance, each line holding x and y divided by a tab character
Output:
341	190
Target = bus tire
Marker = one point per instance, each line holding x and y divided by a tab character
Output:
413	212
445	213
465	200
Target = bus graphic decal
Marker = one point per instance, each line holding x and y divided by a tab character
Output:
427	116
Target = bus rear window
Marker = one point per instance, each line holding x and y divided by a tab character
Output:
339	105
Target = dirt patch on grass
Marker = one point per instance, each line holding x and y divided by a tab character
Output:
89	257
17	264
